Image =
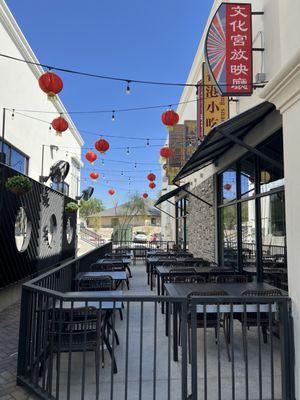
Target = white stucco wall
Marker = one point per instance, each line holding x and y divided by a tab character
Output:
281	64
20	90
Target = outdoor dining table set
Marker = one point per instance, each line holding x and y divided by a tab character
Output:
89	325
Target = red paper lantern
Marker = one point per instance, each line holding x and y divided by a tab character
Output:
151	177
111	192
165	152
60	125
50	83
102	145
170	118
94	176
91	156
227	186
145	195
152	185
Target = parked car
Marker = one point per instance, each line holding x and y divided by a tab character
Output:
140	237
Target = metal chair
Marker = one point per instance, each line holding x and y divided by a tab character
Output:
215	272
259	318
231	279
78	330
210	320
95	283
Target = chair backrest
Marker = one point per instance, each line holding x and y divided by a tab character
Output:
179	270
95	283
209	293
231	279
68	326
106	267
262	293
187	279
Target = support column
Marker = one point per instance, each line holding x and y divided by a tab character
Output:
284	91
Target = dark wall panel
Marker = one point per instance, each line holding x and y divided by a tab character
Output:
37	253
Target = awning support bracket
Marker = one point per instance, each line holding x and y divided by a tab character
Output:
165	212
174	204
252	149
194	195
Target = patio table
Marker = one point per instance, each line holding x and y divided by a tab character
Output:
152	262
117	276
99	305
184	289
119	262
163	271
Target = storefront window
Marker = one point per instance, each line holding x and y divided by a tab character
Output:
252	228
248	232
247	174
181	207
229	234
228	185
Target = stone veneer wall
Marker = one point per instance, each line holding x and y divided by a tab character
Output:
201	221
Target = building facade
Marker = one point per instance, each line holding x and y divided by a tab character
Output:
251	183
30	147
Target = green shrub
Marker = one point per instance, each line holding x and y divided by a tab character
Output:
72	207
19	184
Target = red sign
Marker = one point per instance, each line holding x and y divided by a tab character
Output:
200	132
228	49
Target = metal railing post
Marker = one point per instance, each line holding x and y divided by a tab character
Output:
23	332
184	348
287	351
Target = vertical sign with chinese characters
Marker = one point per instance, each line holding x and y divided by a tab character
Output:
215	106
228	49
200	132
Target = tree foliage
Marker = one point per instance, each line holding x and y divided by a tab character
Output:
90	207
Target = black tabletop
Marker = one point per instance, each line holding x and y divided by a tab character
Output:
164	270
101	304
251	269
185	259
113	261
115	275
233	289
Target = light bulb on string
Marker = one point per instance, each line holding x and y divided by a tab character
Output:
148	143
102	162
128	87
50	128
127	151
135	165
122	173
113	116
13	114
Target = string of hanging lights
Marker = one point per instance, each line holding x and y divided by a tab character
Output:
147	140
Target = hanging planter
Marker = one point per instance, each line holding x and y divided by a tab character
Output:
72	207
19	184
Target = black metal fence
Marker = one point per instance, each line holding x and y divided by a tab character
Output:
35	231
85	346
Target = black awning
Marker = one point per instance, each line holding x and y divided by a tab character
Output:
170	194
215	144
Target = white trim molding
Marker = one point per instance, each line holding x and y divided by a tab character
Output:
16	35
284	88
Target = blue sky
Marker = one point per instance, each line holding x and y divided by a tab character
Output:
154	40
